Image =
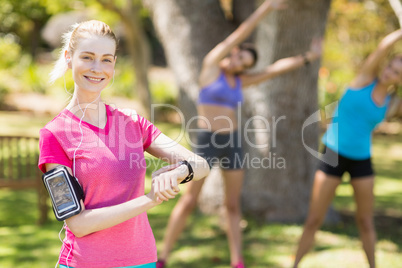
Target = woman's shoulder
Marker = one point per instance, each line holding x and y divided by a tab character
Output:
129	114
58	123
209	76
125	112
362	81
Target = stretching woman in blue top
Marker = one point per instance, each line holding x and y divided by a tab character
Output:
348	146
221	80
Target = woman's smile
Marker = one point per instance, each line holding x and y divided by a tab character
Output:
95	80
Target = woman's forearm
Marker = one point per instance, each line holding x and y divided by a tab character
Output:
279	67
200	167
373	62
242	32
388	41
247	27
172	152
94	220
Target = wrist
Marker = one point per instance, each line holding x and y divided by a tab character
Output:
151	200
306	60
309	57
312	56
190	174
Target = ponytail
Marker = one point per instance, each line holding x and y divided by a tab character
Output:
61	65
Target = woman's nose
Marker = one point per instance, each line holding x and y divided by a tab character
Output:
95	68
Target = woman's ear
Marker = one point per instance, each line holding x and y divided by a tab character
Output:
68	59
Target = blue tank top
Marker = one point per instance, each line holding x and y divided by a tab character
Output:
353	122
220	93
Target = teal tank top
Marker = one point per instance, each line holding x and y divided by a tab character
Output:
353	122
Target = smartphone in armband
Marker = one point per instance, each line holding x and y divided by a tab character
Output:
65	192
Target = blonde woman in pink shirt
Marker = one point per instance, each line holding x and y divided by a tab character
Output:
103	147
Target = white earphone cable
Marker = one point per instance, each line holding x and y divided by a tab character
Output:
75	151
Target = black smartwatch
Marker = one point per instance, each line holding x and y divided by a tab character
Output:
190	175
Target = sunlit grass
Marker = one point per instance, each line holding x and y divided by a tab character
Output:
203	243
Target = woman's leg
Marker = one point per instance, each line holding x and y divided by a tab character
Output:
233	181
178	217
323	192
364	197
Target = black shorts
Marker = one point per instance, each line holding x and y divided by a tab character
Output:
334	164
220	149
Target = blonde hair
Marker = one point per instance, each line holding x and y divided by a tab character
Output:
71	39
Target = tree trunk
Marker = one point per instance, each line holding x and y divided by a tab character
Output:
278	189
188	29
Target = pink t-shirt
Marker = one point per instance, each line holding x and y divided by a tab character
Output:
110	167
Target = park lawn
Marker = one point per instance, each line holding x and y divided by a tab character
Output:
203	244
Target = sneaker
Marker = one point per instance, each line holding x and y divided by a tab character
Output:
239	265
160	264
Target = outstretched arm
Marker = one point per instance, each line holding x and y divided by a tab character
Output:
212	59
284	65
371	66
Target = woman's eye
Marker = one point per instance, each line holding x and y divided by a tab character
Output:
107	60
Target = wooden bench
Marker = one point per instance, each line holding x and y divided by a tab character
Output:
19	168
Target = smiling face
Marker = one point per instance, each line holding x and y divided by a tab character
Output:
392	73
92	63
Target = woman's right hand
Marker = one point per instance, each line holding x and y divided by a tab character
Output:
165	182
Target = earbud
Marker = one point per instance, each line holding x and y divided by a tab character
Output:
68	60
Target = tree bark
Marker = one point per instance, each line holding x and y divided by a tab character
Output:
279	188
188	29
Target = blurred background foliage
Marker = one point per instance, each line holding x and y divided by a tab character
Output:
353	31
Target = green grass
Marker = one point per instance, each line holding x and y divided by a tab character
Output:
203	243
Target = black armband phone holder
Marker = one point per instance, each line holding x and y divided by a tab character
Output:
64	191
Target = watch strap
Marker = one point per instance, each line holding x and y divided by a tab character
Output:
190	175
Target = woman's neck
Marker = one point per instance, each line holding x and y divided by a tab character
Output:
90	108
